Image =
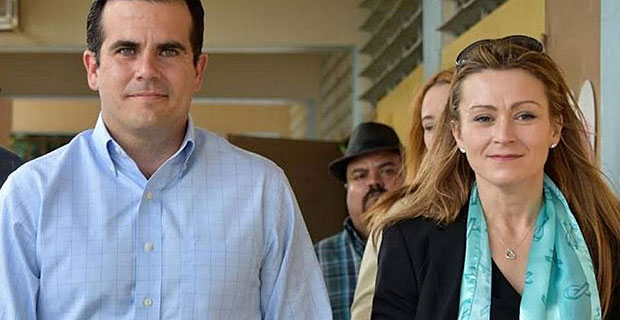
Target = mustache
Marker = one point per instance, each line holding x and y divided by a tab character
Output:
372	195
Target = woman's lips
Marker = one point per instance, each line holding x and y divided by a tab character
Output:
504	157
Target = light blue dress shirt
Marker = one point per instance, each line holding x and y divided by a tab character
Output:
215	233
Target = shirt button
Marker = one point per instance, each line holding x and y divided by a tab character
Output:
148	246
147	302
149	195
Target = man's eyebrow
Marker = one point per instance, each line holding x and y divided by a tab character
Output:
171	45
358	170
388	163
123	44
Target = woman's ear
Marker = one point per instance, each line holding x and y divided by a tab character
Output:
456	133
556	134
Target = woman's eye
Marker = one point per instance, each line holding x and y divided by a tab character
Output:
483	118
525	116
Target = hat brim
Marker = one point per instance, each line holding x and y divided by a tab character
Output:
338	167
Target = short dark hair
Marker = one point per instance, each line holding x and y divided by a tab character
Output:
95	36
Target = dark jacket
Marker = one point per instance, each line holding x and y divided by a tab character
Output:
421	278
8	163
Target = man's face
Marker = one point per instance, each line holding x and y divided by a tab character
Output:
146	76
368	177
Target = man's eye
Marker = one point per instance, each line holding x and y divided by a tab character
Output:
388	171
126	51
170	52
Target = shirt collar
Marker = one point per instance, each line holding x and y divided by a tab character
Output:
356	239
104	144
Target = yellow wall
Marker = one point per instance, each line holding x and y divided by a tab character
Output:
68	116
513	17
395	108
41	115
223	119
61	24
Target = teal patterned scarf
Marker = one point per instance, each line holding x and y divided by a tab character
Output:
559	277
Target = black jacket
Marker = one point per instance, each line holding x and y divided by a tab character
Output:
8	163
421	279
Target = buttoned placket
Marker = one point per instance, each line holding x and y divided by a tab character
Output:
149	229
149	259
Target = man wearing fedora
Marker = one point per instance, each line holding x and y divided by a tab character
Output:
369	167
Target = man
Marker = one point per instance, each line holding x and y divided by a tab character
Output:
8	163
147	217
370	167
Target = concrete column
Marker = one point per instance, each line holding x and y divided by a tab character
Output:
357	105
431	38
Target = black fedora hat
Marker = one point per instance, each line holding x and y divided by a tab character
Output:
366	138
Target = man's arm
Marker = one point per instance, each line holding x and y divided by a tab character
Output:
19	272
292	286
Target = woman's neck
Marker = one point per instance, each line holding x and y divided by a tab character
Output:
513	208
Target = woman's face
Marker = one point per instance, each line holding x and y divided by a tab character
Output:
505	127
433	104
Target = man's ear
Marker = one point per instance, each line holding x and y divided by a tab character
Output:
92	68
201	66
456	133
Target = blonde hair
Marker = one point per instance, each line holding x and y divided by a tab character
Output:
415	151
443	182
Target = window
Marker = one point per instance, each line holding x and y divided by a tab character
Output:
8	14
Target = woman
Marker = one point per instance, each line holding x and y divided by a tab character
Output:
509	218
428	104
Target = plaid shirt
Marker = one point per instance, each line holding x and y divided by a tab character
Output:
339	257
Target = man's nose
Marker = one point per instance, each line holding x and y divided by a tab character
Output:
375	179
148	68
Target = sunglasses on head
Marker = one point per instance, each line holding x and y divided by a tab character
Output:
517	40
